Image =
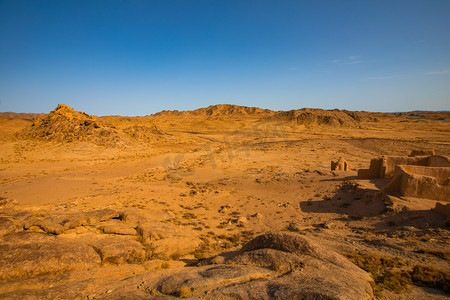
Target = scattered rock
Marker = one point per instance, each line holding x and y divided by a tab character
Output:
224	208
242	220
293	226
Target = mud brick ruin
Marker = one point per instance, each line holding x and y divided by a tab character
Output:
422	174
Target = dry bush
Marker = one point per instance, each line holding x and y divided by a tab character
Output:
391	274
349	186
431	277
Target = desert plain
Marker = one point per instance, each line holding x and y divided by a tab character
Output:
223	202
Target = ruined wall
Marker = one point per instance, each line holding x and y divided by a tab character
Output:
385	166
421	182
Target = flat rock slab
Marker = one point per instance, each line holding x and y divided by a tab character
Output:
168	240
40	258
118	250
58	223
117	227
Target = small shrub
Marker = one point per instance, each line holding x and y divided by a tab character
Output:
199	255
388	275
184	292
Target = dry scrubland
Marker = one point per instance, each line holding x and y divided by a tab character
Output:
222	202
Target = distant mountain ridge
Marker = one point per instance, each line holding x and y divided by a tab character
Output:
25	116
64	124
316	116
304	116
217	111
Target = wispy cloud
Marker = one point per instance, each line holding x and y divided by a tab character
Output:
439	72
380	77
351	60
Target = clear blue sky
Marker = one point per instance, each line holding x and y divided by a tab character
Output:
139	57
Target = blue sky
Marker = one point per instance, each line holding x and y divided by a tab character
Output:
139	57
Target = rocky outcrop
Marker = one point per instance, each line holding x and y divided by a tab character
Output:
272	266
53	242
276	265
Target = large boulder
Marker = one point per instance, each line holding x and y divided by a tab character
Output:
272	266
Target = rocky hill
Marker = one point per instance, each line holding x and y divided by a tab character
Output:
220	111
64	124
312	117
305	116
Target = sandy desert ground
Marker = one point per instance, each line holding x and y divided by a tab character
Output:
224	202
